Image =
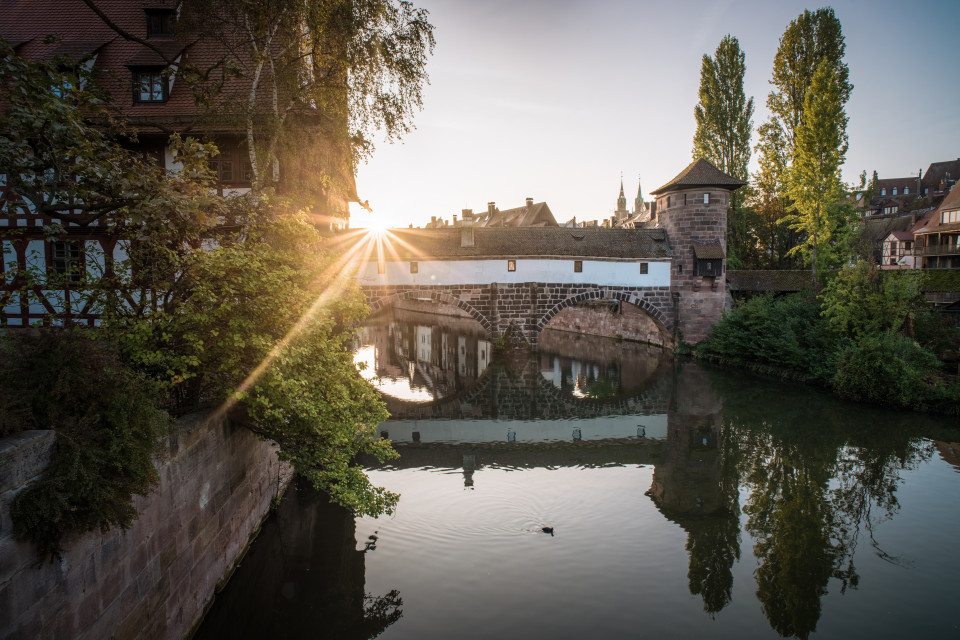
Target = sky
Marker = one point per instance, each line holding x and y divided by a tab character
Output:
555	99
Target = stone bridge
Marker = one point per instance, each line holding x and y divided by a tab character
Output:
521	311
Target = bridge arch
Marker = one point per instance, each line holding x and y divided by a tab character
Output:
378	304
660	317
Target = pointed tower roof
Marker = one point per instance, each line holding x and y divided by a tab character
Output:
622	200
700	173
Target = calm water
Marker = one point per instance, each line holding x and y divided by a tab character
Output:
596	489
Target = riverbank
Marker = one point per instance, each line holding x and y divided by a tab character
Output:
156	579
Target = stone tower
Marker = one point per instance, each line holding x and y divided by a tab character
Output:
692	208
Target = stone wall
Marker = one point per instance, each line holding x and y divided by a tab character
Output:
156	579
523	309
626	322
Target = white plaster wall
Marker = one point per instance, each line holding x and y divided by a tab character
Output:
401	431
9	261
446	272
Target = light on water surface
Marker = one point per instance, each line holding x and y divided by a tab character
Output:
598	489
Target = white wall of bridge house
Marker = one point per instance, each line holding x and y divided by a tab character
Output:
614	273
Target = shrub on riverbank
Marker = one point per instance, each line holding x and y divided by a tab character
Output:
868	337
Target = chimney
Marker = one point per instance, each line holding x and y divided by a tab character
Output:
454	219
529	202
433	222
491	207
466	230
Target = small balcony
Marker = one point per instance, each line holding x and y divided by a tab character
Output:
950	249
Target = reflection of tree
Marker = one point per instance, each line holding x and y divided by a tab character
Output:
714	545
818	480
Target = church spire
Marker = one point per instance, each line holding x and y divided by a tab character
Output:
638	203
621	201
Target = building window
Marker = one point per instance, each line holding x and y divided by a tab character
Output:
906	191
644	268
894	191
414	267
511	265
883	192
578	266
160	23
66	261
706	198
679	268
149	86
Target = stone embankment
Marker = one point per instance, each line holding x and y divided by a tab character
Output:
156	579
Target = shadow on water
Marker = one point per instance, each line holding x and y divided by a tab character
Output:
302	578
804	478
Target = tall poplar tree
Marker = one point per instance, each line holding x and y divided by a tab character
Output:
723	130
814	182
814	37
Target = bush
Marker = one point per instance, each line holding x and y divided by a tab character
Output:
785	336
893	370
108	429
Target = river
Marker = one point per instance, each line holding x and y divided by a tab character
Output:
599	489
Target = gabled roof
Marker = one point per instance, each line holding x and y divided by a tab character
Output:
950	203
700	173
903	236
525	242
534	215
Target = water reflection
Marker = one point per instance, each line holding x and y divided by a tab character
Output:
309	579
420	357
781	510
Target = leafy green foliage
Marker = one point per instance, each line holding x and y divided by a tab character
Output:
723	131
870	337
892	369
108	427
814	183
862	300
782	336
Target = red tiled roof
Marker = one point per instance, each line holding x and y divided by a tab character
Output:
708	250
531	242
700	173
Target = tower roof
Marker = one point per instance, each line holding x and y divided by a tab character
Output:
700	173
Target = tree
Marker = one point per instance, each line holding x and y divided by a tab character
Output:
814	37
723	131
814	182
322	78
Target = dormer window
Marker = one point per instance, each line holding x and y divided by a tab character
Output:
883	192
160	23
149	85
906	191
894	191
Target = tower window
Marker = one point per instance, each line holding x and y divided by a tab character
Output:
414	267
644	268
706	198
578	266
511	265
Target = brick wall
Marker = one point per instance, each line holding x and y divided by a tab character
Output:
156	579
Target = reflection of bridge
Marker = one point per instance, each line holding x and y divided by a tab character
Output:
520	390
